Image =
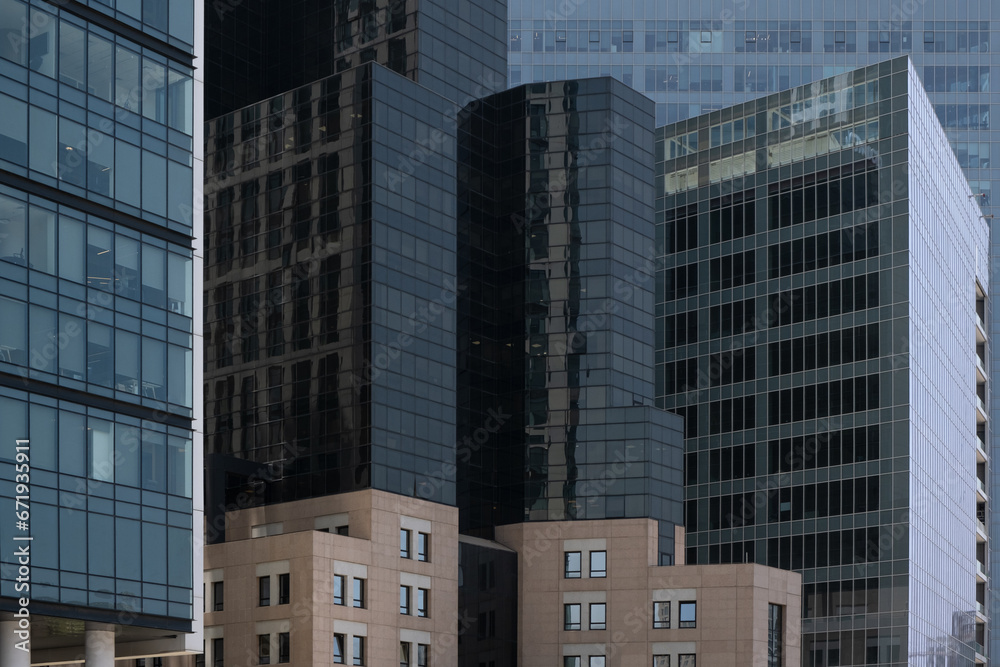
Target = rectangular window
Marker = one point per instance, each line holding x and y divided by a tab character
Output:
597	661
661	614
423	547
423	602
572	565
217	596
404	654
404	543
661	661
598	616
338	589
598	563
359	647
423	655
264	649
338	649
404	599
263	591
218	653
686	660
359	593
688	614
571	616
284	647
775	626
283	588
571	661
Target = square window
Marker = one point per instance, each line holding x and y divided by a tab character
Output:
706	37
572	565
661	615
883	36
595	35
423	547
598	616
661	661
404	600
685	660
359	647
627	36
404	543
672	36
339	581
839	36
750	36
342	530
359	593
571	616
688	614
264	649
598	564
283	588
217	596
795	37
928	37
263	591
423	602
339	642
560	35
284	647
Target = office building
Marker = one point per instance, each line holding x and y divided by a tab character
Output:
822	306
100	277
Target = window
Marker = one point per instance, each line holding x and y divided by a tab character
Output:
423	655
571	616
571	661
284	647
359	646
661	614
338	589
596	661
283	588
264	649
217	596
218	653
661	661
404	543
775	625
404	599
685	660
688	612
342	530
598	616
423	602
359	593
423	547
404	654
338	649
263	591
598	563
573	566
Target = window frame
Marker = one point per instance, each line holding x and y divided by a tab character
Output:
600	573
284	588
424	547
218	652
264	642
682	606
423	603
687	659
567	572
423	655
600	625
218	596
405	537
568	625
358	649
357	593
284	647
405	599
264	585
342	580
405	654
657	623
340	641
661	660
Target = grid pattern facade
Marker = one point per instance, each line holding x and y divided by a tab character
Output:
805	444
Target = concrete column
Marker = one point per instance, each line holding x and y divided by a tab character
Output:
10	655
100	641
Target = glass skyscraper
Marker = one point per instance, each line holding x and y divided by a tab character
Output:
821	312
100	326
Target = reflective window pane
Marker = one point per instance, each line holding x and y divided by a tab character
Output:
42	239
100	67
72	56
13	130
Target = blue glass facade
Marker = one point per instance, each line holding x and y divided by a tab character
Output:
823	257
100	306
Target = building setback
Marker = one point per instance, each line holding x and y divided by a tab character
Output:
821	319
100	330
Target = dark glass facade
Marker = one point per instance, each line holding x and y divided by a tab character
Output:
100	330
807	240
487	603
556	328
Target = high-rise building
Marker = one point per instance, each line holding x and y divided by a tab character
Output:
100	330
822	306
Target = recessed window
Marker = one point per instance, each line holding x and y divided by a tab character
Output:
775	627
686	660
404	543
661	661
661	615
404	600
343	530
423	602
404	654
359	593
598	564
572	569
688	615
339	642
597	661
571	661
598	616
423	547
571	616
284	584
217	596
423	655
264	649
359	650
284	647
339	582
218	653
263	591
